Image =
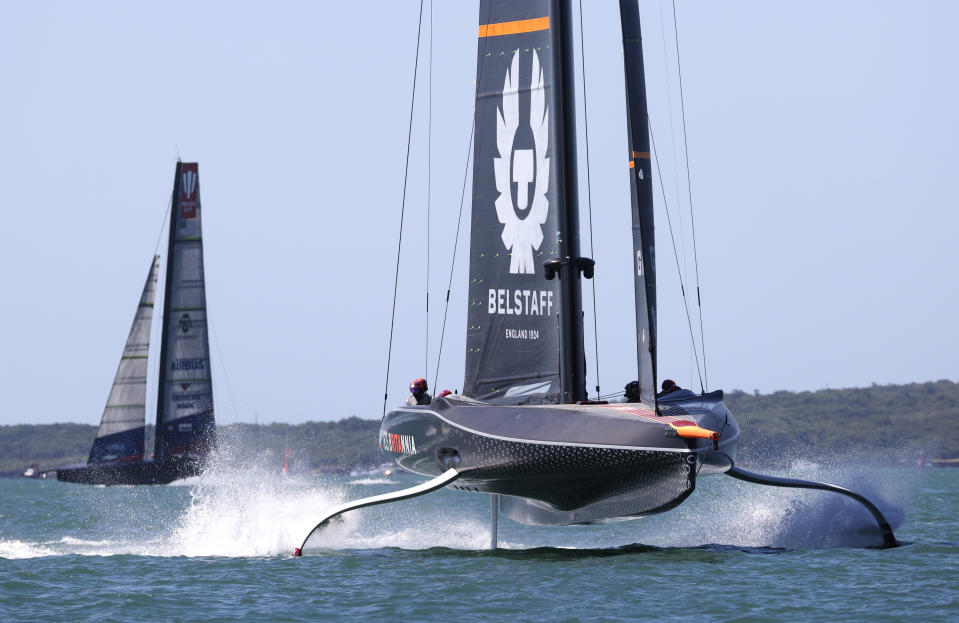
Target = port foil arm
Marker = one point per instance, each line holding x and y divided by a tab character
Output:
384	498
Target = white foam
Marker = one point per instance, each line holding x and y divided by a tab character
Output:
186	482
72	541
18	549
373	481
410	532
244	512
723	511
94	547
247	513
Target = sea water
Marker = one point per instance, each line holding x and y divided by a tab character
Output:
217	548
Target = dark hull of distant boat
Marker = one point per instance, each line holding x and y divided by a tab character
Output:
133	472
565	464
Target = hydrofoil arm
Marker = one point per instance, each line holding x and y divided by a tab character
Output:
888	538
395	496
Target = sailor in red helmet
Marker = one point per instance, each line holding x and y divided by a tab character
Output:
418	393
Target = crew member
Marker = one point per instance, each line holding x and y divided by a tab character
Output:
632	391
419	395
669	386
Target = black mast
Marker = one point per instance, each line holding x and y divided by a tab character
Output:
569	265
174	205
641	199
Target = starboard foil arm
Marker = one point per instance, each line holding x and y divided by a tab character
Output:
888	538
384	498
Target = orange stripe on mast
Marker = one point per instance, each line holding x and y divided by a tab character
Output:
514	28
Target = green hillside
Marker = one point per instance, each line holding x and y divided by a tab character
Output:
890	423
325	446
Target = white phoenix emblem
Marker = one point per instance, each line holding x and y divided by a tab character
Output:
522	235
189	183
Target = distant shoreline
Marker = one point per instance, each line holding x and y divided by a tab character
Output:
888	424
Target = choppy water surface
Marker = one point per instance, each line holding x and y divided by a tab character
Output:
217	549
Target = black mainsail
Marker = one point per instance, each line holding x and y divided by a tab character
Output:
185	404
122	427
185	429
522	198
641	200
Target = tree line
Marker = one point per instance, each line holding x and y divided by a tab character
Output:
888	423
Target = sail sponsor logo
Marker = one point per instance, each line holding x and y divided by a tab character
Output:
521	170
186	323
188	198
116	450
188	209
188	364
520	302
522	334
401	444
188	400
641	266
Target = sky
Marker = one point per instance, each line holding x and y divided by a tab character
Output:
822	165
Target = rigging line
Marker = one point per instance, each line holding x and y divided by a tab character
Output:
155	327
399	243
226	377
689	188
672	134
456	241
459	217
153	354
429	186
166	215
684	273
672	239
589	189
612	395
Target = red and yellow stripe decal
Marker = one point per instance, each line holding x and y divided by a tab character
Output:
683	426
514	28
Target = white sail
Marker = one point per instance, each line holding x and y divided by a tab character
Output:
120	436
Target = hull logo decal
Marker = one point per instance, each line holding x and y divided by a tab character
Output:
400	444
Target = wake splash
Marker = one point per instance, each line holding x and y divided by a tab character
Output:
15	550
236	513
247	513
729	512
406	526
374	481
226	512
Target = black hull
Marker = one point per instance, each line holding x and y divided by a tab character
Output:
564	464
132	472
